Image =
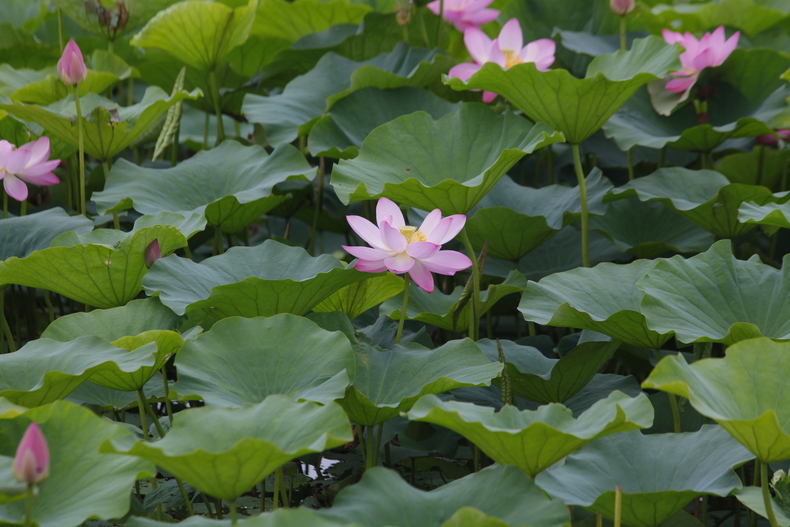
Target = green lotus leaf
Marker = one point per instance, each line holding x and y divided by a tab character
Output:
442	164
390	382
743	392
713	297
608	303
752	497
45	370
589	44
167	344
515	219
242	446
82	483
198	33
103	268
355	299
136	317
230	185
108	20
242	361
309	96
472	516
538	378
577	107
750	16
23	235
535	440
653	490
383	498
104	136
772	214
10	489
9	409
704	197
440	310
255	281
342	130
101	398
647	229
302	517
51	89
760	166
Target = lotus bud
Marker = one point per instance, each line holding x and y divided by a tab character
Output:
621	7
71	66
771	140
31	463
152	253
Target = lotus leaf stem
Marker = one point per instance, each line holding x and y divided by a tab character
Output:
630	157
404	306
168	407
577	163
5	205
439	22
473	330
234	514
217	106
673	403
618	505
623	45
81	144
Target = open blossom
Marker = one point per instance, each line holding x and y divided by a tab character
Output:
31	462
465	14
28	163
708	52
506	50
71	66
400	248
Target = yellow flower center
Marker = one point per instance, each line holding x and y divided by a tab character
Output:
511	58
412	234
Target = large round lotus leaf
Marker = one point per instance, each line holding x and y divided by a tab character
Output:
104	133
109	399
167	344
449	312
10	489
51	88
263	280
198	33
714	297
240	447
744	392
280	518
653	488
535	440
306	98
103	268
111	20
340	133
46	370
82	483
761	165
538	378
704	197
515	219
647	229
752	497
750	16
241	361
382	499
390	382
110	324
442	164
230	185
21	236
355	299
608	303
9	409
772	214
577	107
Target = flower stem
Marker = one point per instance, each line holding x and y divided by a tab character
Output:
234	514
618	505
217	107
630	157
673	403
6	327
31	487
769	508
167	396
81	140
473	331
60	30
577	162
623	45
404	306
439	22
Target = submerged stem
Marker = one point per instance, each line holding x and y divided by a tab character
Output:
577	162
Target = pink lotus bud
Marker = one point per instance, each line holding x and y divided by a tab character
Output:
71	66
771	139
621	7
31	463
152	253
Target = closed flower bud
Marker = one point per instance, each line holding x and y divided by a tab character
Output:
771	139
71	66
31	463
621	7
152	253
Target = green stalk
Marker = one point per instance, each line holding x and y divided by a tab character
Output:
116	221
277	484
473	331
662	154
379	434
141	404
404	306
29	504
167	396
50	307
767	501
618	505
60	31
6	326
673	403
22	208
623	45
263	495
234	514
439	22
599	519
630	165
217	107
371	446
577	162
319	205
81	148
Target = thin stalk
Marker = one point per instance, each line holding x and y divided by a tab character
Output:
630	163
185	497
473	331
219	244
319	205
404	306
533	332
50	307
361	438
23	208
116	221
277	483
673	403
577	162
371	447
439	22
599	519
60	31
760	161
205	133
207	502
662	155
29	504
141	405
767	501
623	45
174	151
379	434
234	514
81	148
217	107
168	407
6	327
263	495
618	505
423	31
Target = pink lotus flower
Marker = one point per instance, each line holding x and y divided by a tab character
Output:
71	66
708	52
31	462
506	50
621	7
465	14
403	249
28	163
771	139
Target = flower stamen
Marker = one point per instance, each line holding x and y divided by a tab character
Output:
412	234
